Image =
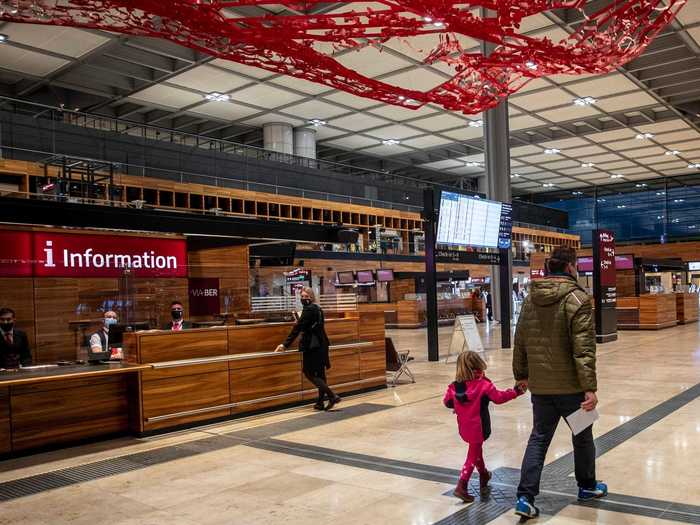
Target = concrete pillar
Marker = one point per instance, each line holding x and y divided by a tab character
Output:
305	142
278	136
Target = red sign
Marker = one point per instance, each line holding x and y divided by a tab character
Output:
537	274
15	254
44	254
606	251
204	295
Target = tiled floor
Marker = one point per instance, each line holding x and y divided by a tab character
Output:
391	456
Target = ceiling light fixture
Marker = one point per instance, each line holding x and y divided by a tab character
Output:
587	164
391	142
620	206
672	152
514	175
602	200
439	24
427	19
616	176
472	164
317	122
661	193
678	200
3	38
552	151
548	185
640	185
576	193
692	227
476	123
217	97
643	136
585	101
695	166
531	65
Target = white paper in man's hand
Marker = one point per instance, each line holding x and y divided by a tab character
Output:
581	420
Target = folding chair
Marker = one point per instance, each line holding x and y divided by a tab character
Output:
397	362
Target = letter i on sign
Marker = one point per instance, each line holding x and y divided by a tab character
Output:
49	255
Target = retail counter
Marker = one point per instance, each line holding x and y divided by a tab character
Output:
647	312
172	379
687	307
411	314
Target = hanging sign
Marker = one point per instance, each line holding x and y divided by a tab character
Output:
204	295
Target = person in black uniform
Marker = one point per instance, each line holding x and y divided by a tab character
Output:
178	323
314	347
14	345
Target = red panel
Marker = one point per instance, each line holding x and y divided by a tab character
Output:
15	254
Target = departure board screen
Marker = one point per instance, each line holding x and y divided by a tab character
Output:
471	221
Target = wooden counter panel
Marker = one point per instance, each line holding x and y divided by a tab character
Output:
342	331
373	361
181	394
5	436
66	383
187	344
687	307
628	302
345	367
155	374
82	409
257	338
265	381
269	360
371	326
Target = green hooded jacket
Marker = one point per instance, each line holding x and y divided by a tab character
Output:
554	345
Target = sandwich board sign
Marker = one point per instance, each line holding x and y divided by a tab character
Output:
465	336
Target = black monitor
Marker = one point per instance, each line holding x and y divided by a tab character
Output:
116	331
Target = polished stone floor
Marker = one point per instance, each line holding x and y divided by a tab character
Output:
390	456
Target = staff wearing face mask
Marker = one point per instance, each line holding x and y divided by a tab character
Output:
14	345
99	341
314	347
177	313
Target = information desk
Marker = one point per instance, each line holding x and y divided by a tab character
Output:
47	406
687	307
204	374
646	312
411	314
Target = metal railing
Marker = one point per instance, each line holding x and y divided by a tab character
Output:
287	303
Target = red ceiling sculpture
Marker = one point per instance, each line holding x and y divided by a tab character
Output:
301	44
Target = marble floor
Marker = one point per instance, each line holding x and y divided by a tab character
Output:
392	456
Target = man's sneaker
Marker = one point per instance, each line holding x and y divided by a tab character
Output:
526	509
599	491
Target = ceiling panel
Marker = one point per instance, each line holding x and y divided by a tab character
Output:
542	99
525	150
417	79
161	95
65	41
565	143
29	62
358	122
346	99
253	72
440	122
466	133
353	142
623	102
610	84
208	79
386	151
224	110
298	84
315	109
443	164
400	114
276	117
567	113
525	121
397	131
264	96
370	61
426	141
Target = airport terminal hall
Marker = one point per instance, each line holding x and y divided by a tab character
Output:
379	262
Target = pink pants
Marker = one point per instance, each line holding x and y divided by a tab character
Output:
475	458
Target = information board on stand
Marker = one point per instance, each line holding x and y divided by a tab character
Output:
465	336
605	285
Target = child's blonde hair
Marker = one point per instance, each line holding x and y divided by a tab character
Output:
468	364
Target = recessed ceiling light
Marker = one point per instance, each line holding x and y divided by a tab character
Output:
676	221
587	164
640	185
391	142
602	200
661	193
217	97
576	193
692	227
427	19
672	152
694	166
616	176
514	175
551	151
476	123
642	136
585	101
439	24
3	38
531	65
548	185
678	200
620	206
472	164
317	122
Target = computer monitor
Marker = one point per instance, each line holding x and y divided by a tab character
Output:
345	277
116	331
365	276
385	275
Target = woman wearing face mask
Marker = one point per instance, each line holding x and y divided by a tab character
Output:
314	347
177	312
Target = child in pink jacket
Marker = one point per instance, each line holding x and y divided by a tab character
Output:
469	396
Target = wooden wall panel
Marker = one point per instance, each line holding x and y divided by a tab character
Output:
230	266
152	298
71	410
55	303
18	294
625	283
187	344
5	435
400	287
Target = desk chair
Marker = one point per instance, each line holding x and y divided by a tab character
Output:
397	362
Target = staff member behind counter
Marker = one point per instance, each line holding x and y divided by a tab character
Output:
178	323
99	341
14	345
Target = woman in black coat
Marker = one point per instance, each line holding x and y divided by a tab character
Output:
314	347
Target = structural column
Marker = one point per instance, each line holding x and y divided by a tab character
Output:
305	142
278	136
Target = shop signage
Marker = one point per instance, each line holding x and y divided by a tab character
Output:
298	276
604	285
694	266
622	262
464	257
204	295
45	254
537	274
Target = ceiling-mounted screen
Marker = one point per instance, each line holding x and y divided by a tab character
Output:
471	221
365	276
385	275
345	277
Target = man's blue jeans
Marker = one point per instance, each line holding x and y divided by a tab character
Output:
547	410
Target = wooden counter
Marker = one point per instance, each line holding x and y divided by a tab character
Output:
646	312
219	372
55	405
687	307
411	314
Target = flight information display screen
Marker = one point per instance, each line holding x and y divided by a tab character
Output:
470	221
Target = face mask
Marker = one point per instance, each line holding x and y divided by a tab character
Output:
110	321
7	327
306	302
177	314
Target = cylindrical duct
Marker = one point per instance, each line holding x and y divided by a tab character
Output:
305	142
278	136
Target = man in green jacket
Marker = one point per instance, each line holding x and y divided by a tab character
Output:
554	355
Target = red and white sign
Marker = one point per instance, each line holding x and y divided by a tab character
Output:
78	255
204	295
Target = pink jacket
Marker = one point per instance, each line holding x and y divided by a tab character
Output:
469	413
